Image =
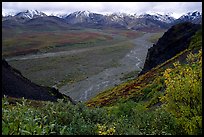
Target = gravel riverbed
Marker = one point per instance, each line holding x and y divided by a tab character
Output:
90	87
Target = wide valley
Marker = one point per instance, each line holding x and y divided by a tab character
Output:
80	63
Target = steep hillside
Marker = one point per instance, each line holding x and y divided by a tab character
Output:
153	81
175	40
14	84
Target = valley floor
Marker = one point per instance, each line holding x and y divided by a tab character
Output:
84	72
132	61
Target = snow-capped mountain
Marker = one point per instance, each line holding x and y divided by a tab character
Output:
80	14
84	17
119	20
191	16
118	16
164	18
194	17
156	16
115	20
78	17
30	14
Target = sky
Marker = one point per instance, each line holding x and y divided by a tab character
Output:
176	9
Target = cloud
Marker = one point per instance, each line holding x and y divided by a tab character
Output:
177	8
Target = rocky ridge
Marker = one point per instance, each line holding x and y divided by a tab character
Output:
175	40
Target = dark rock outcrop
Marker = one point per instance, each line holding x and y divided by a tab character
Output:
14	84
175	40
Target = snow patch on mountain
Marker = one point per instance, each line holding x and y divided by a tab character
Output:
167	18
30	14
191	15
119	16
81	13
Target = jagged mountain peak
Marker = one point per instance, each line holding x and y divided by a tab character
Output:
195	13
135	21
191	15
167	18
30	14
85	13
116	16
32	11
194	17
80	17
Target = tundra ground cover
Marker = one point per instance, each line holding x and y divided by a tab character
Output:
60	70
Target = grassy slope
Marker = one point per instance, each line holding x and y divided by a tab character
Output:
145	86
39	41
133	89
17	42
114	116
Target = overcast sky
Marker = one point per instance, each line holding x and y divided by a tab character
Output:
176	9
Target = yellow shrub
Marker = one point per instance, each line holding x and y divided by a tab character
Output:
183	96
104	130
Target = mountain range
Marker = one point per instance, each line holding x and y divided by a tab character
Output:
95	20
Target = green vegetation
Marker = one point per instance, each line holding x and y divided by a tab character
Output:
183	96
196	41
53	118
167	100
180	113
71	68
130	75
173	86
104	49
71	78
66	119
155	37
20	42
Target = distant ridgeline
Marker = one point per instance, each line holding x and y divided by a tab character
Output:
14	84
146	22
175	40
